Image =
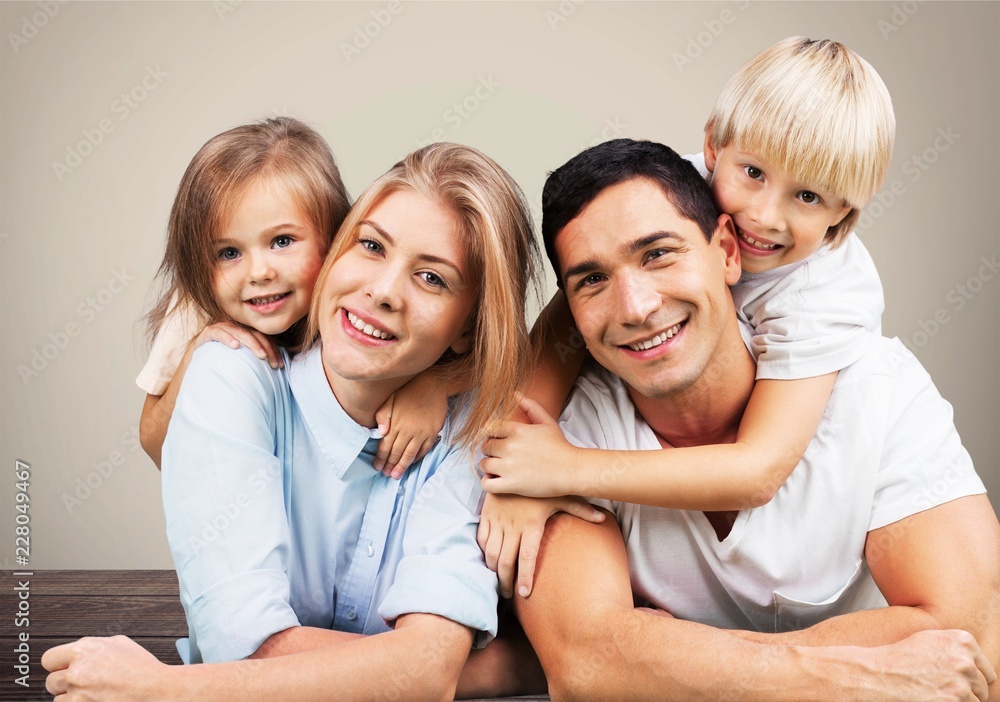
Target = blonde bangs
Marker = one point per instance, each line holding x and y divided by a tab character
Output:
815	109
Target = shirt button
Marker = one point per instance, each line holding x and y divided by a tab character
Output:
351	614
371	549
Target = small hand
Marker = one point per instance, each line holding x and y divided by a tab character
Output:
409	421
235	335
533	460
510	534
114	669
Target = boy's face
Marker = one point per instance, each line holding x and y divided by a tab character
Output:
778	220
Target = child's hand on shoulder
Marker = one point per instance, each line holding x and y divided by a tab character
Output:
236	335
533	459
510	534
410	421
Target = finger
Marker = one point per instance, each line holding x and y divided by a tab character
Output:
247	338
985	666
383	415
531	542
217	333
506	564
395	455
55	682
406	460
483	534
583	510
270	349
425	447
493	546
535	412
57	657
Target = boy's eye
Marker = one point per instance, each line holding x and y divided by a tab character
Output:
810	198
753	172
229	254
433	279
282	242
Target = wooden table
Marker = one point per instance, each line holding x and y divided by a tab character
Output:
64	605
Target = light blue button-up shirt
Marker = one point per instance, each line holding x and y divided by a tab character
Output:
276	518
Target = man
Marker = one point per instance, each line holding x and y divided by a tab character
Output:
884	503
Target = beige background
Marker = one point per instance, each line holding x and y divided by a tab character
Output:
552	78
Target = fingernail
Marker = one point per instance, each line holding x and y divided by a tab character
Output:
523	591
234	344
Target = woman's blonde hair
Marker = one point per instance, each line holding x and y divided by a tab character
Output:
280	150
503	259
818	111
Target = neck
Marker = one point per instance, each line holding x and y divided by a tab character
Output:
709	410
361	399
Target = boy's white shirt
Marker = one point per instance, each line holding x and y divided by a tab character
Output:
180	325
814	316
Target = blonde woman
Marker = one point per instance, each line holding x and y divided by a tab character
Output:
285	539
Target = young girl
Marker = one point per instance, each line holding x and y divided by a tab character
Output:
809	291
253	218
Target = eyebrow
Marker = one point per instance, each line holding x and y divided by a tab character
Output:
629	248
429	258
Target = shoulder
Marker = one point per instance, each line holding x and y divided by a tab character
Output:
599	412
216	369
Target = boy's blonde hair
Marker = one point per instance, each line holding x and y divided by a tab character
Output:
503	262
816	110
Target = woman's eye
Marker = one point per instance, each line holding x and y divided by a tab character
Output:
753	172
282	242
808	197
433	279
371	246
229	254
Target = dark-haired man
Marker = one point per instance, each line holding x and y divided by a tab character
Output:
785	601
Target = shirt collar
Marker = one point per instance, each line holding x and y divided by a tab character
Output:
339	437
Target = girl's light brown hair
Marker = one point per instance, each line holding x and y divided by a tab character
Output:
281	150
503	259
819	112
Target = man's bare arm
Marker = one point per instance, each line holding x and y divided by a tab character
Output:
593	644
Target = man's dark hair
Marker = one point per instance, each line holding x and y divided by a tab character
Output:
575	184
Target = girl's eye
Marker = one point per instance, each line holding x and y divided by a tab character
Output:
371	246
753	172
810	198
282	242
229	254
434	280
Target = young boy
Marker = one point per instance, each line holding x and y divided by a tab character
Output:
799	140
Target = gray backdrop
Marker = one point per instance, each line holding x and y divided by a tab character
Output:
103	105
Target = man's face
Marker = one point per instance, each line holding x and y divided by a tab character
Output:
649	294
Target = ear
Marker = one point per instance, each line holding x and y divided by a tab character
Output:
710	152
840	215
462	344
725	238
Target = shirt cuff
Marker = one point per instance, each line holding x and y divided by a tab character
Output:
462	591
232	619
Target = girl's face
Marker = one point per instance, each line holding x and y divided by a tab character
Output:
267	260
399	296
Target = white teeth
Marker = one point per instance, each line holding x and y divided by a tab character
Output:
656	340
759	244
368	329
265	300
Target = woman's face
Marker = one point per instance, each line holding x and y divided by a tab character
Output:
399	296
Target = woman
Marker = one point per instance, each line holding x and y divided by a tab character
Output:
286	540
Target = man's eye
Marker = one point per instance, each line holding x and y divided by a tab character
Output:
591	280
657	253
229	254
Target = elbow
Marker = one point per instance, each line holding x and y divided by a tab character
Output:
149	442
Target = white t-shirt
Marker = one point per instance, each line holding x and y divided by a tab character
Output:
814	316
179	327
885	449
